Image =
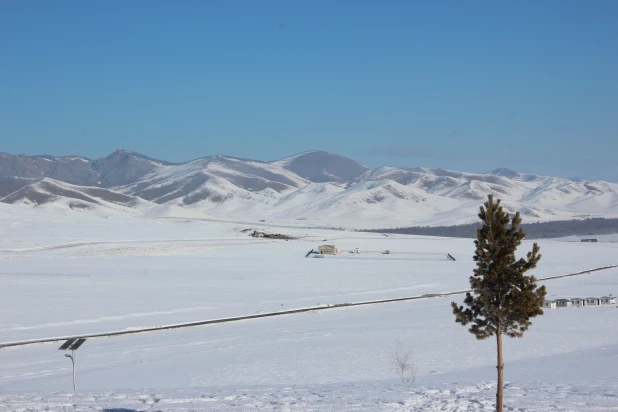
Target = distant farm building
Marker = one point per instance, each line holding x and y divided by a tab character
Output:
327	250
270	235
589	240
550	304
578	301
564	303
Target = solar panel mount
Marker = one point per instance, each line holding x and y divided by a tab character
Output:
65	345
79	342
72	344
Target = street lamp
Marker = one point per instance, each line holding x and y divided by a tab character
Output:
72	345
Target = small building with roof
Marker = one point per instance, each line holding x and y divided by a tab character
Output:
578	302
549	304
327	250
564	303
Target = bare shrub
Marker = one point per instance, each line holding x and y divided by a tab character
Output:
404	363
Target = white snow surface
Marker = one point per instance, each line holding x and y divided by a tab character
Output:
539	397
66	274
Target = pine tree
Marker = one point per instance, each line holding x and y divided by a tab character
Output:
503	299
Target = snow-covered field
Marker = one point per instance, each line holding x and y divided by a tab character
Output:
64	274
341	397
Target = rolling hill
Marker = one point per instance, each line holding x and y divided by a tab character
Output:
319	187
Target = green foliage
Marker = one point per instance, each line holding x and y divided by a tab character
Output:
503	299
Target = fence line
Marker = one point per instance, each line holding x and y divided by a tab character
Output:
268	314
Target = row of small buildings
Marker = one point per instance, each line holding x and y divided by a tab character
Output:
576	302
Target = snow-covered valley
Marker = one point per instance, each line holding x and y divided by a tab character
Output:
67	274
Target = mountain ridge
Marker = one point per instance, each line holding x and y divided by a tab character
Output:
314	185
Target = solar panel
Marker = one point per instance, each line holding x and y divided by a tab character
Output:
66	344
77	344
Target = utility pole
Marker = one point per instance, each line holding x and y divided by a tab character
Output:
72	345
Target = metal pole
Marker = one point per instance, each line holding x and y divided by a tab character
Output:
72	344
73	360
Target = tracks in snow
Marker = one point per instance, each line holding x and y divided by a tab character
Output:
269	314
107	242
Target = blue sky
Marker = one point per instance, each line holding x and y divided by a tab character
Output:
471	86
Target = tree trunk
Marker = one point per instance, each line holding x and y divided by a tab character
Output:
500	368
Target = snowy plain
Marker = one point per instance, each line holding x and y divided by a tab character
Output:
68	274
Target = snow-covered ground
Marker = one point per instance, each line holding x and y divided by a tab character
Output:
66	274
343	397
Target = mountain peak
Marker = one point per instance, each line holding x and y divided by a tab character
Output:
504	172
123	153
320	166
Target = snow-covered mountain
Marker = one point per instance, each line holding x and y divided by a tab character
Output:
48	193
318	187
319	167
120	167
219	186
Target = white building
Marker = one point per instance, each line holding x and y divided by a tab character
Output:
607	300
550	304
592	301
578	301
564	303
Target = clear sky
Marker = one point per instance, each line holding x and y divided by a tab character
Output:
464	85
